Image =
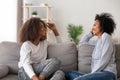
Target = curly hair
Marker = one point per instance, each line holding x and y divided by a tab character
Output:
107	23
30	29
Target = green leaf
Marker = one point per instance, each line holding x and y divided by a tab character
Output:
74	31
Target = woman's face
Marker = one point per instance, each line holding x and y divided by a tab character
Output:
42	32
96	28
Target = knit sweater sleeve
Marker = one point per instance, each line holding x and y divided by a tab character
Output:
86	39
58	39
25	59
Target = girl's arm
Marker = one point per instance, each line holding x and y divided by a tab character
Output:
52	26
25	59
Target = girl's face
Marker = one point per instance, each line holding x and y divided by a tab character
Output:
42	32
96	28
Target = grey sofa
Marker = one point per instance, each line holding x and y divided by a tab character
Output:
71	56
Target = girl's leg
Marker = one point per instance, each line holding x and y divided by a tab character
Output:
58	75
51	67
22	74
47	67
70	75
104	75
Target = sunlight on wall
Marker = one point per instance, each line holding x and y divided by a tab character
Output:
8	20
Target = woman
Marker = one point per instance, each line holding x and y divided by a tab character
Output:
103	66
33	64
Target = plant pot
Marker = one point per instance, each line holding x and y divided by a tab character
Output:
34	16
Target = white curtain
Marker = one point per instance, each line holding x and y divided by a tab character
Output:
8	20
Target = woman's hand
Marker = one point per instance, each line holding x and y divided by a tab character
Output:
52	26
35	77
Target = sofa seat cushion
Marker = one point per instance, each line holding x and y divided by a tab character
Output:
10	77
3	70
66	53
84	57
9	55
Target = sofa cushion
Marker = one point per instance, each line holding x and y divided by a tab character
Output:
117	55
3	70
9	55
84	57
66	53
10	77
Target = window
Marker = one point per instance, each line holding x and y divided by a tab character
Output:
8	20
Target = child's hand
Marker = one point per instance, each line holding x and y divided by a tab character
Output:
41	77
35	77
51	26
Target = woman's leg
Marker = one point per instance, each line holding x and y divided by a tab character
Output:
22	74
70	75
58	75
47	67
104	75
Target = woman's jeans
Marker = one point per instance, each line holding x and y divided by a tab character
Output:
103	75
47	68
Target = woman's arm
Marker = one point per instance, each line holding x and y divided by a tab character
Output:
86	39
52	26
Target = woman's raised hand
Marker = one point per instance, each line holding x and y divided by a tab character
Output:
51	26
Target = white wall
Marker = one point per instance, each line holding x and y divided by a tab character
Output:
80	12
8	27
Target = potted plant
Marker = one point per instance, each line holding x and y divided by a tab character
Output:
74	31
34	14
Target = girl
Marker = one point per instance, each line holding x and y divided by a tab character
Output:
103	58
33	64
